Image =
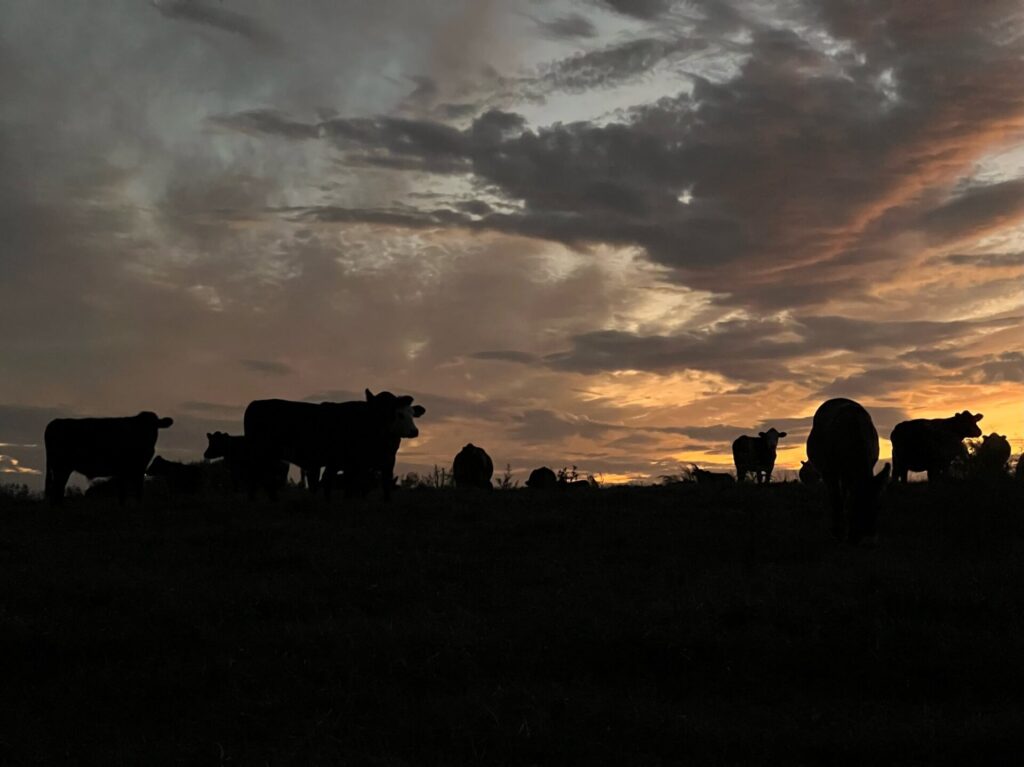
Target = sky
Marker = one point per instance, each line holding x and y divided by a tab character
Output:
614	234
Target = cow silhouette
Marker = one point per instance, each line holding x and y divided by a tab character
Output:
542	479
990	457
756	455
242	463
931	444
711	478
843	446
808	474
180	478
359	438
119	448
472	467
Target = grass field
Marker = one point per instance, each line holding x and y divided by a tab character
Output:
621	626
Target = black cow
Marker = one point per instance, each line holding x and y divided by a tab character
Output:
991	456
1018	473
359	438
120	448
180	478
756	455
711	478
843	446
472	467
931	444
808	474
542	479
244	469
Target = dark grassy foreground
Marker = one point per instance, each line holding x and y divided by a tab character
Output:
628	626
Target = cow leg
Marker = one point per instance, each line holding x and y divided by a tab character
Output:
835	501
387	477
899	471
56	481
327	481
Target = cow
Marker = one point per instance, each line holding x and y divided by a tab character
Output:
756	455
711	478
843	446
808	474
120	448
542	479
472	467
180	478
990	456
359	438
241	464
931	444
1018	473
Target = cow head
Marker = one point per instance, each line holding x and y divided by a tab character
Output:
965	424
397	413
772	436
150	416
217	446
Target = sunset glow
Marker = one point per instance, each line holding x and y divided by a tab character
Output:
614	235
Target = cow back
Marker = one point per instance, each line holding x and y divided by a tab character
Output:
843	443
99	447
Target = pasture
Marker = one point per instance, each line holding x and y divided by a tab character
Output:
658	625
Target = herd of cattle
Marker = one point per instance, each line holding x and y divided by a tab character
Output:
356	443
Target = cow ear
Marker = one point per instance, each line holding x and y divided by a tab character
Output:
369	396
164	423
761	434
782	434
404	401
978	417
418	410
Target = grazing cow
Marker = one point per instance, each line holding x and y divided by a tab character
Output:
242	465
472	467
542	479
756	455
120	448
359	438
843	446
931	444
180	478
808	474
711	478
991	456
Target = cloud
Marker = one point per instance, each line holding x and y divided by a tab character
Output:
232	22
639	9
987	260
267	366
568	27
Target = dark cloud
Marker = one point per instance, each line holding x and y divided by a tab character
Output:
505	356
614	64
976	211
567	27
987	260
267	122
267	366
638	9
754	350
199	12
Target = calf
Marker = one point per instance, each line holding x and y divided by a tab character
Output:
180	478
843	446
120	448
808	474
756	455
931	444
243	467
711	478
472	467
